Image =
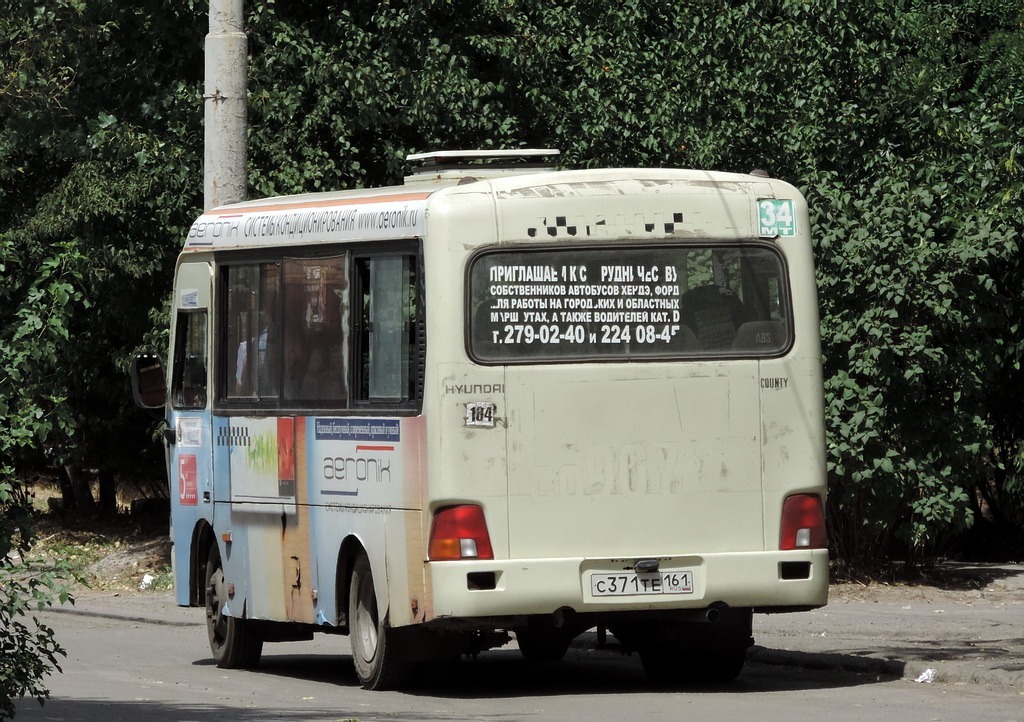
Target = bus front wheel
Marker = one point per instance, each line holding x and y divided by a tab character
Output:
378	661
233	641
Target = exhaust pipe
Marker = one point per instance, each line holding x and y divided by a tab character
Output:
714	612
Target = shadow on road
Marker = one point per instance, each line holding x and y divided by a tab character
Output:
951	576
504	673
499	674
959	576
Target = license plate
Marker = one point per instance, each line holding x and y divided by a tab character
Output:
630	583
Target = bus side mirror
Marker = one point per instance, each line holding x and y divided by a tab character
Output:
148	382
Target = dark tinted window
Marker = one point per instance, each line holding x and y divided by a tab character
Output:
627	303
330	331
188	388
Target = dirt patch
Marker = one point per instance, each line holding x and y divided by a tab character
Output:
139	565
109	552
948	583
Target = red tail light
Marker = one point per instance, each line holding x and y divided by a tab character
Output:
459	532
803	523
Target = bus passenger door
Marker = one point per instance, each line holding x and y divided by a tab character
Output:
189	417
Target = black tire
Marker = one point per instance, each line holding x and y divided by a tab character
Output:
678	667
664	666
378	662
542	643
233	641
722	665
688	653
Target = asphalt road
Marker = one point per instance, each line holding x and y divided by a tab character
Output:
132	658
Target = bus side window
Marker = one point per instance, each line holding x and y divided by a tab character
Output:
388	328
188	387
253	335
316	343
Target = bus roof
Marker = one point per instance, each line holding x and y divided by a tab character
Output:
396	212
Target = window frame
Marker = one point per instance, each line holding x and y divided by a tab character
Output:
353	405
181	339
417	355
704	355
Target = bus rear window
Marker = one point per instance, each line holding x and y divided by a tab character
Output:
627	303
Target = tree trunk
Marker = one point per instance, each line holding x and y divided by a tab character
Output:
80	488
67	492
108	491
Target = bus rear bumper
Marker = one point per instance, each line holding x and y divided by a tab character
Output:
765	581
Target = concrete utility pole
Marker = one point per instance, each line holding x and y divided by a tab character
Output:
225	106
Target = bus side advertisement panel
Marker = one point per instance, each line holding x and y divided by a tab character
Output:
364	481
360	462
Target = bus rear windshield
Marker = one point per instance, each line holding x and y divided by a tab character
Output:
627	303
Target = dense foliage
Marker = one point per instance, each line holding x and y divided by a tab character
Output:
28	648
902	122
100	143
99	154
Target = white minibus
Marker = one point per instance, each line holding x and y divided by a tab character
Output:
498	401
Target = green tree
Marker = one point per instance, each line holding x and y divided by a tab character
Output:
28	649
97	160
919	255
95	209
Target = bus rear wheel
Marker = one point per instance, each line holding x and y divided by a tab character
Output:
541	641
233	641
684	652
379	662
673	666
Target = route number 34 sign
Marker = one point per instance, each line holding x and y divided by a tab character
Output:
775	218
